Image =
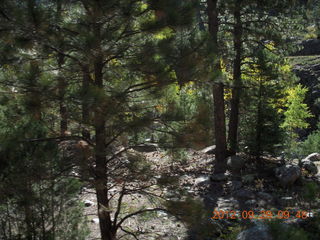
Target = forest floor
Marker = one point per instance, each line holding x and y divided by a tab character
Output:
257	191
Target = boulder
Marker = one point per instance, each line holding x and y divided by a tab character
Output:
265	196
146	147
287	201
251	203
309	47
258	232
313	157
227	204
95	220
309	166
218	177
234	185
288	174
201	181
235	162
249	178
209	150
88	203
244	194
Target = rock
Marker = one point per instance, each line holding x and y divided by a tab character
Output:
287	201
219	177
249	178
88	203
244	194
74	150
146	147
309	166
234	185
288	174
309	47
258	232
262	203
209	150
95	220
227	204
200	181
265	196
235	162
295	222
251	203
162	214
313	157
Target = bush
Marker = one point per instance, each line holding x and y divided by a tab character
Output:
310	145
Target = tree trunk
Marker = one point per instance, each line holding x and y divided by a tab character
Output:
101	164
62	104
218	93
106	226
61	80
85	106
257	150
237	83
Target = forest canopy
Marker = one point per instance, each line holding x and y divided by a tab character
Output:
118	100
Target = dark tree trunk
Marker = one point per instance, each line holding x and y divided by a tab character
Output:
62	85
106	229
106	226
237	83
61	92
218	93
257	150
85	106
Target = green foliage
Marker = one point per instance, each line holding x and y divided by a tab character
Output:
195	216
280	231
295	117
310	145
297	112
309	230
267	80
311	191
38	198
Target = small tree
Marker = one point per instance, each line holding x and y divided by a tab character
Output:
296	114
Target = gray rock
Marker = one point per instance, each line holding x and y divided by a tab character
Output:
227	204
313	157
287	174
95	220
249	178
265	196
219	177
262	203
287	201
295	222
235	162
258	232
200	181
147	147
244	194
309	47
251	203
88	203
209	150
234	185
309	166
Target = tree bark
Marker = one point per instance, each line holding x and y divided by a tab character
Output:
85	106
237	83
257	150
62	104
106	226
106	229
61	81
218	92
